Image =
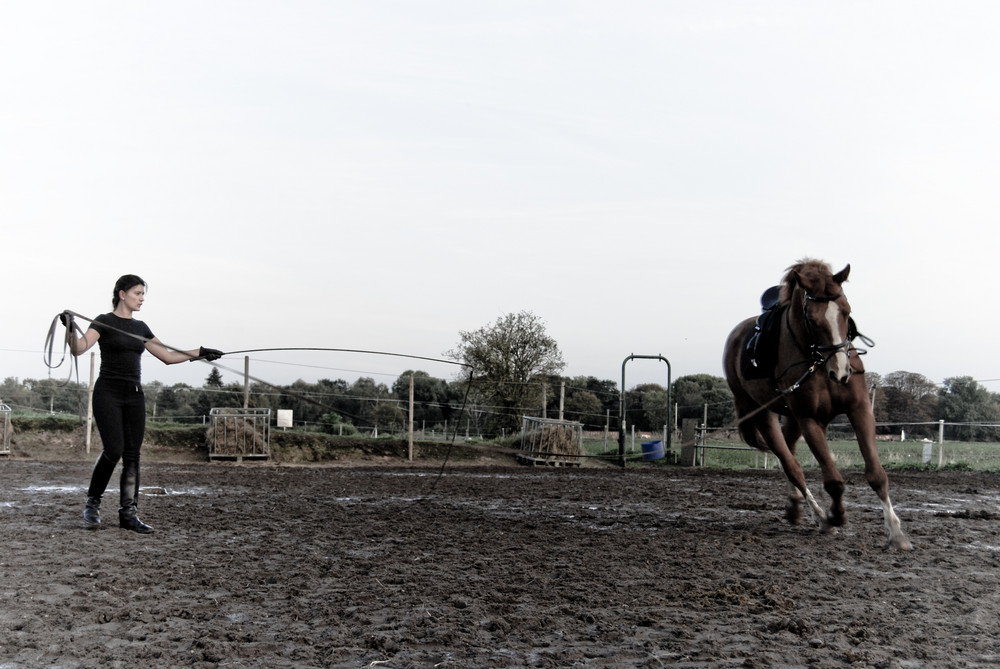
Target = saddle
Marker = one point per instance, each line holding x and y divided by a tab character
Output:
759	356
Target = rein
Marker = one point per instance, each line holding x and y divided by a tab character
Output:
818	355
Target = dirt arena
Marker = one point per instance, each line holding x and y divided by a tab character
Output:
391	565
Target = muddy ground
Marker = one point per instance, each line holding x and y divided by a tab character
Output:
387	564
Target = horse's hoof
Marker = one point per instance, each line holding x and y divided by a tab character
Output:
901	543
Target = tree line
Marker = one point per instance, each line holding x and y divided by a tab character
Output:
902	401
515	372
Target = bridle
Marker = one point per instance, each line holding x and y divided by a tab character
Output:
819	354
816	351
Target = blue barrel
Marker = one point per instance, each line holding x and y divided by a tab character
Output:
652	450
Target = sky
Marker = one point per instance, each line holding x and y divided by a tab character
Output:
383	175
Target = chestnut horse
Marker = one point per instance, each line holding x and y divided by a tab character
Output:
818	375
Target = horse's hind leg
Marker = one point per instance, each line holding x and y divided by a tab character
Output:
793	511
753	437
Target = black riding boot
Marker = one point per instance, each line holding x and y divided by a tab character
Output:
92	512
103	469
127	513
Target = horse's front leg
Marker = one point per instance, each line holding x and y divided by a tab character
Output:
815	435
864	427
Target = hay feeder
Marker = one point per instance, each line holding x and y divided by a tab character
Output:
235	434
546	441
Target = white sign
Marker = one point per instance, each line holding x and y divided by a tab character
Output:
284	417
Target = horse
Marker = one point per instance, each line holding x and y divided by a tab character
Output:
817	374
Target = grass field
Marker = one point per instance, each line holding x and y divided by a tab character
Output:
980	456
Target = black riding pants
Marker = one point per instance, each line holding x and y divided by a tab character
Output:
120	414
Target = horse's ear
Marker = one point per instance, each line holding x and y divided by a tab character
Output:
841	276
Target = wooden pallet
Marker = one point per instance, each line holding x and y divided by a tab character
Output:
546	462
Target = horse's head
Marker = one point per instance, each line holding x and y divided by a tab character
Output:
826	314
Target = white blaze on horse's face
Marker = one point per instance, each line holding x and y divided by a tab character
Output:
839	365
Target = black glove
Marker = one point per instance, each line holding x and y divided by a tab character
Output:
66	319
209	353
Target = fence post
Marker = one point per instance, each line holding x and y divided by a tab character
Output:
246	382
410	451
688	426
607	428
940	443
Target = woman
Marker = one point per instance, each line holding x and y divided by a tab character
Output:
119	404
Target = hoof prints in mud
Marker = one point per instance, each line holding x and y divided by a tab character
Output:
510	566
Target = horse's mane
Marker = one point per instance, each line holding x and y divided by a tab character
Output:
814	275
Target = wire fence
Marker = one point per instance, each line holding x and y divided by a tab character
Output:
722	448
710	447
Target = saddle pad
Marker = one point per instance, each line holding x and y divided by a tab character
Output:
759	356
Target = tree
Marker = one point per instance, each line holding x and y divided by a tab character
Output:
507	358
329	422
214	379
366	395
388	417
646	406
963	400
588	399
431	397
903	399
585	407
176	400
51	395
605	390
691	394
15	393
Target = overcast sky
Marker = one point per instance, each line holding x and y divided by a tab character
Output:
383	175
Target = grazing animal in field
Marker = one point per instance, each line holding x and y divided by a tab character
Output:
814	373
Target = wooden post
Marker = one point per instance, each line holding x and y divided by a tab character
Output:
246	381
411	418
688	450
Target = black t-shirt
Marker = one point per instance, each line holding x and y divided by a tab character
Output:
120	353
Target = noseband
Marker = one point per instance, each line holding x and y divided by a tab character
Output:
816	351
